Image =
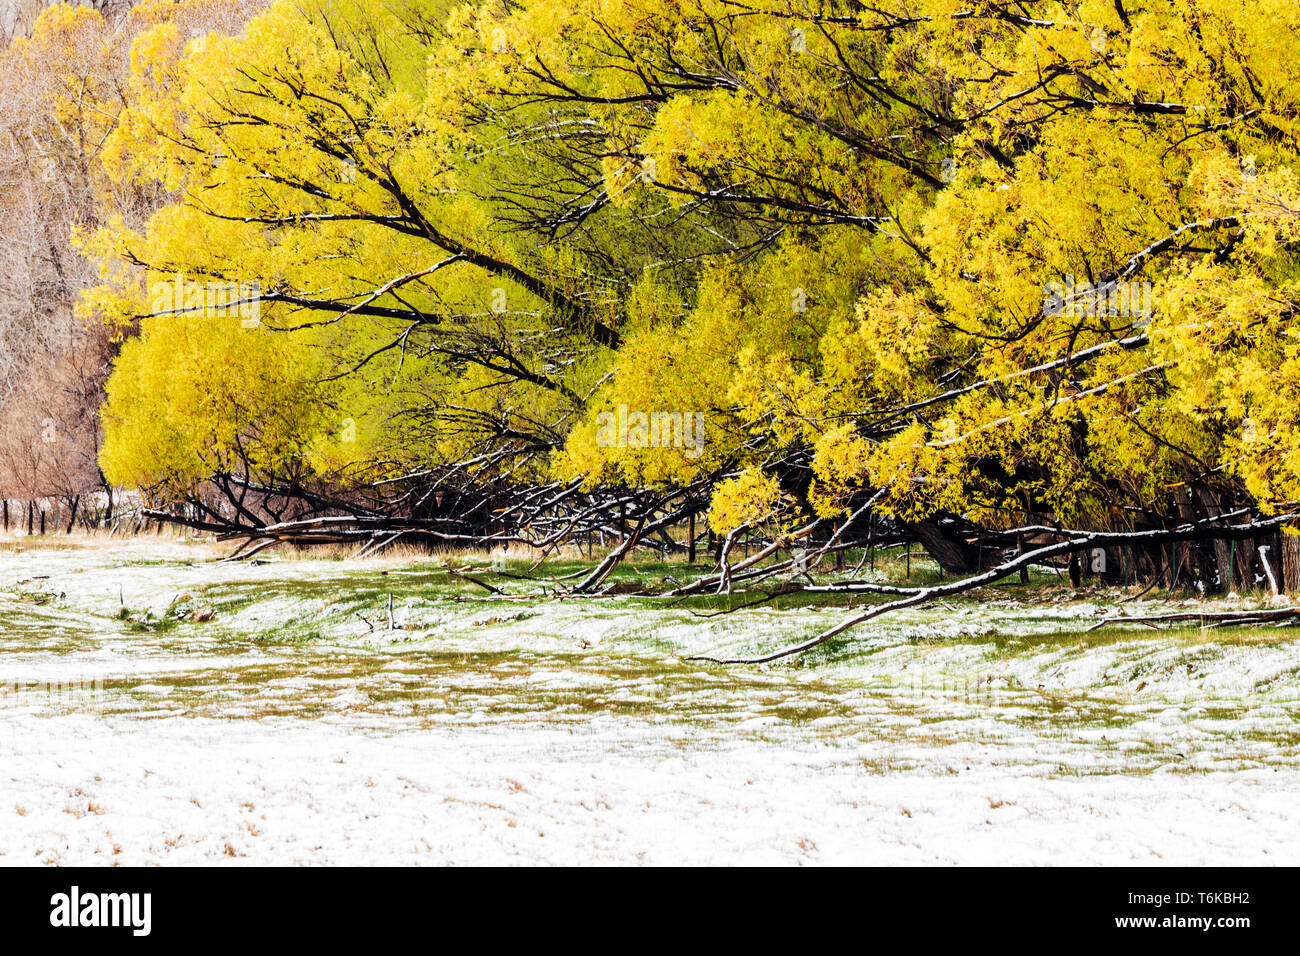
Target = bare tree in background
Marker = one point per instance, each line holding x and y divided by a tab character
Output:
58	103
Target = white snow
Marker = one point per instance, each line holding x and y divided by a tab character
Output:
185	791
573	733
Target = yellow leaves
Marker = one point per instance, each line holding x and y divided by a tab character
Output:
910	474
1269	202
1265	197
655	422
62	97
887	344
774	396
841	463
623	177
195	395
1234	336
58	29
749	498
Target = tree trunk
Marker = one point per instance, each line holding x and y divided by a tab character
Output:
1224	555
944	543
1291	563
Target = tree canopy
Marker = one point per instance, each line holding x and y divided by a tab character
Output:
1002	261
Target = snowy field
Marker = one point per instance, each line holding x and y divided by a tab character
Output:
158	708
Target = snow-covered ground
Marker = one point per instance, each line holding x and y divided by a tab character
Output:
280	720
198	791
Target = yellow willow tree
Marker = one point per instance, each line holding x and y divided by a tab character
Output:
1007	263
1037	174
313	173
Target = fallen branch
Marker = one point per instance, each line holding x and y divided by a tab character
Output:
1217	617
1077	541
473	580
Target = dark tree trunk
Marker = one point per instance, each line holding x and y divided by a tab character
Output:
1223	552
1291	563
944	541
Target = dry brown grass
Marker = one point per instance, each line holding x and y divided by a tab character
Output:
169	539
